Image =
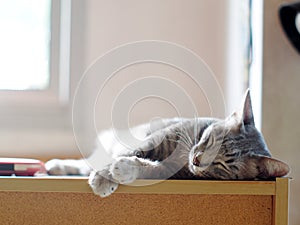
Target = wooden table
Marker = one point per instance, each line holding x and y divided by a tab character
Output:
69	200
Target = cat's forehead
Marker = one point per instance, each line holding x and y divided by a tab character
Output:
223	128
219	128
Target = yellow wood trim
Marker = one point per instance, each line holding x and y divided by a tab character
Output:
202	187
79	184
45	184
280	205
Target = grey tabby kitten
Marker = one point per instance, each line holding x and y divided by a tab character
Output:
202	148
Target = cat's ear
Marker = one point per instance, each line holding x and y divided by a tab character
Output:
270	167
244	116
247	113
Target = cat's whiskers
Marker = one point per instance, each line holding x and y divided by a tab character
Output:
186	133
184	139
187	147
195	130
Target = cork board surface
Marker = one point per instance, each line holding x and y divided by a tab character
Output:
86	208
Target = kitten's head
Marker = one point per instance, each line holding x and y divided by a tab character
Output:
234	149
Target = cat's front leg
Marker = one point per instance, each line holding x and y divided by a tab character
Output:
102	183
126	169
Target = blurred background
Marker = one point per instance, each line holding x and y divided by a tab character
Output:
48	46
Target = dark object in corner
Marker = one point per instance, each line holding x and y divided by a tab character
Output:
288	14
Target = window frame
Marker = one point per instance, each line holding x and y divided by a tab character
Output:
38	122
57	94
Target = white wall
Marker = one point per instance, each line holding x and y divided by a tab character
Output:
281	102
204	27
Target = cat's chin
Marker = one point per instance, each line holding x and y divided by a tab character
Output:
195	166
196	170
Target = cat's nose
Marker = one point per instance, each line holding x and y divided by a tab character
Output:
196	161
197	158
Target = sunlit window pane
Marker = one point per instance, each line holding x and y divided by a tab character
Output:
25	27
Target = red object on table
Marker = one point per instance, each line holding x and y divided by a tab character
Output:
21	167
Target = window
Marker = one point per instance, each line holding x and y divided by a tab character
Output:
34	76
245	42
25	44
35	48
255	76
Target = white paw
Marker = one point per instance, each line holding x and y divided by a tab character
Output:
61	167
101	184
125	169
